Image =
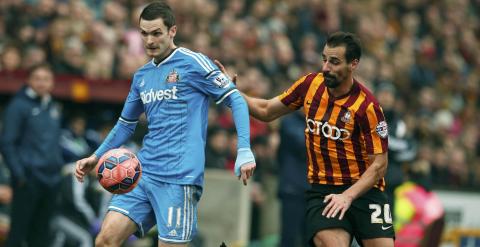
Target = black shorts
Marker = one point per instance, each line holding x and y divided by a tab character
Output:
368	217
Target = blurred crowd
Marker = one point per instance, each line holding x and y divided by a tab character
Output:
420	57
426	52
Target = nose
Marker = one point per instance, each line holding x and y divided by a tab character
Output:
149	39
325	67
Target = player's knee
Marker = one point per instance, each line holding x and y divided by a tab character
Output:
319	240
329	239
104	240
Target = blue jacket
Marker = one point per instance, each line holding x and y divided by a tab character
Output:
30	138
292	156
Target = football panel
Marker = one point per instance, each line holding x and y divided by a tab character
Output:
119	173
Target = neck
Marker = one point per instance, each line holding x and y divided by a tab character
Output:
342	89
162	56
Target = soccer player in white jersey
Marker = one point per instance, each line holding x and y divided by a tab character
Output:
173	91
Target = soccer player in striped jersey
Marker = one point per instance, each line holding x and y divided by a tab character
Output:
346	139
173	91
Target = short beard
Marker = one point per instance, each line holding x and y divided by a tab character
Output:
331	82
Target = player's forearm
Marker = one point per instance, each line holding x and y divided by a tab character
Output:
258	108
372	175
241	119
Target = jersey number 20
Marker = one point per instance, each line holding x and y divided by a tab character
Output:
377	211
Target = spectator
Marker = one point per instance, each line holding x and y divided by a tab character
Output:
291	157
76	141
5	200
10	59
30	144
401	147
216	150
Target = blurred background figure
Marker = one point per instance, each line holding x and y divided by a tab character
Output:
5	200
419	214
292	157
402	149
30	143
76	140
216	150
77	218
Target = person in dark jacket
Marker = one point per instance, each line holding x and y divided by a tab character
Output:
292	183
402	149
30	146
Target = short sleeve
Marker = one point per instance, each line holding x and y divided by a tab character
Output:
375	130
294	96
207	77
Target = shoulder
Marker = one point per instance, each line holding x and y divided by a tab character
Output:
196	60
369	97
304	82
370	102
140	72
146	67
19	104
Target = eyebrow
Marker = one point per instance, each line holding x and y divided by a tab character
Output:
336	58
155	30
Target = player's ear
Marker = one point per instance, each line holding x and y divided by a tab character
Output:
354	64
172	31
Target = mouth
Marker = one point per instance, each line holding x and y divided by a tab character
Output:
329	77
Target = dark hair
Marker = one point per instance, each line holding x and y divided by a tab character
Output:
350	41
159	9
42	65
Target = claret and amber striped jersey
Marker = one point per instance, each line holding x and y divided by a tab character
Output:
340	132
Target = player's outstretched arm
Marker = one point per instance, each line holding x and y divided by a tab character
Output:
245	162
84	166
120	133
266	110
262	109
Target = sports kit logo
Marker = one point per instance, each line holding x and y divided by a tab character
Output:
159	95
172	77
221	81
346	118
329	131
382	129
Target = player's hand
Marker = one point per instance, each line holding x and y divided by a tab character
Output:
337	203
84	166
224	71
245	164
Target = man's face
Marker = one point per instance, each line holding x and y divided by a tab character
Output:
41	81
157	38
335	68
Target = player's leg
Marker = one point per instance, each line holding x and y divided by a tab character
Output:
332	237
128	213
323	231
175	209
378	242
373	225
116	228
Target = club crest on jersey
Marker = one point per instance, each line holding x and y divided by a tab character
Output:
173	77
382	129
346	118
221	81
